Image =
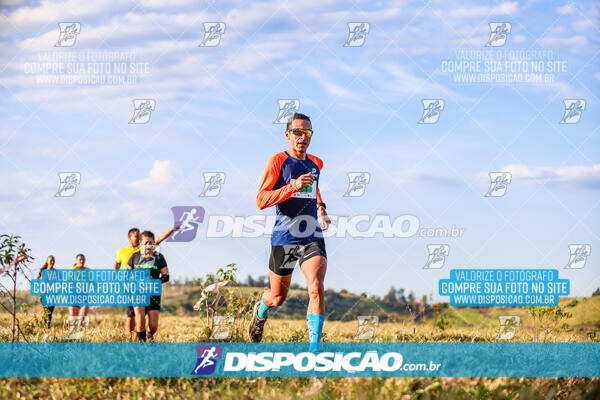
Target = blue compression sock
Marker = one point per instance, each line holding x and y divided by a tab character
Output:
314	323
263	310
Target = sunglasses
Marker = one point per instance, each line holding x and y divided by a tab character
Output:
300	132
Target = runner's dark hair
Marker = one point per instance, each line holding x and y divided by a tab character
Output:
131	231
296	116
148	234
45	266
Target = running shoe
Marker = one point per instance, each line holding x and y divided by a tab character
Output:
256	325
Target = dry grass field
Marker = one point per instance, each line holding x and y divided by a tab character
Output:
462	325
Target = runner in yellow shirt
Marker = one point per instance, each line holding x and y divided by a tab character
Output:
123	256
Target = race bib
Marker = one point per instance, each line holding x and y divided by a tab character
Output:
309	192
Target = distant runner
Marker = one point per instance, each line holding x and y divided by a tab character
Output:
291	183
47	311
79	310
147	258
123	256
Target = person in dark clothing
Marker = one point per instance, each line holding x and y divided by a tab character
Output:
147	258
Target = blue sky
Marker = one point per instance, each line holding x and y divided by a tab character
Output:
215	108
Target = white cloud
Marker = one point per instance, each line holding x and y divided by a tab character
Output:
399	80
509	8
256	56
585	25
330	87
412	177
393	14
176	77
29	186
557	30
566	9
158	4
255	16
12	3
50	13
576	175
90	216
573	41
183	70
164	174
470	30
518	39
134	212
137	201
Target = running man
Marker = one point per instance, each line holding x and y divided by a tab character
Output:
186	222
47	311
291	183
154	261
123	256
79	311
208	354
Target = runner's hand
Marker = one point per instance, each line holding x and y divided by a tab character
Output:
324	220
303	181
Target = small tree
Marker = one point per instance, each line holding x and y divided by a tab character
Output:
228	298
441	322
401	298
390	297
14	257
549	320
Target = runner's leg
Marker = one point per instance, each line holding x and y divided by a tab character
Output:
130	325
153	322
83	311
277	293
314	270
48	315
140	322
73	319
272	297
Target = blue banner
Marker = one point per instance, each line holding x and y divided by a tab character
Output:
95	287
504	287
294	360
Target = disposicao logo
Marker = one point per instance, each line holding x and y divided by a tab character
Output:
207	359
322	362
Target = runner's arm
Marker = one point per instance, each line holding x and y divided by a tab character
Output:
164	274
322	216
267	197
118	261
319	199
319	163
164	236
164	269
